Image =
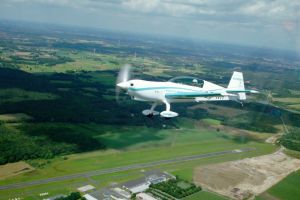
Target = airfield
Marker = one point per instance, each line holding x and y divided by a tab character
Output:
124	168
179	154
60	85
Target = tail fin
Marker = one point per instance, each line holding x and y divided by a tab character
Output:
237	83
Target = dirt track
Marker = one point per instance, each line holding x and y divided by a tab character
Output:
248	177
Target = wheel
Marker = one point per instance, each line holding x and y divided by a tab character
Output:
150	115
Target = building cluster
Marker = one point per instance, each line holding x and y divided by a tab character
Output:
125	190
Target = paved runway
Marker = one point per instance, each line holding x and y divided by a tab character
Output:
123	168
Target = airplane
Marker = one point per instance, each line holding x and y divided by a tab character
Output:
174	91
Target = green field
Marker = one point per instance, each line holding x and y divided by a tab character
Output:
211	121
288	188
16	117
205	195
18	95
32	192
86	61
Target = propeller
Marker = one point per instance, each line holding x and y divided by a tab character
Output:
122	79
266	97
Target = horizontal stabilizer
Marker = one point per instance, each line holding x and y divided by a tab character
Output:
244	91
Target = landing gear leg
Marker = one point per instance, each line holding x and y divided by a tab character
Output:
167	114
168	106
150	113
153	106
240	102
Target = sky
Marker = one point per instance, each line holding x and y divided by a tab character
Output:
261	23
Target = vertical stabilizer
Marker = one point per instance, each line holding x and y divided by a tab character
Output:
237	83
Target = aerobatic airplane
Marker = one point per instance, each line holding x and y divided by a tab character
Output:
174	91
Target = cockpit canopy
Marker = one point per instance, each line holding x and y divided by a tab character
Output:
188	80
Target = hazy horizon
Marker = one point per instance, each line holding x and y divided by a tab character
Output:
259	23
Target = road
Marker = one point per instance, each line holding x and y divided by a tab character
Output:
123	168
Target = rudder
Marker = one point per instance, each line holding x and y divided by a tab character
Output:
237	83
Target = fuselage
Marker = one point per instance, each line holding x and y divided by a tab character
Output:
196	90
153	91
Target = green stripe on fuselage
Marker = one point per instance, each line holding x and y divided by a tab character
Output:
159	88
191	95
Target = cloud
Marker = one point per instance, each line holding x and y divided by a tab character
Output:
217	9
78	4
233	9
167	7
216	19
280	9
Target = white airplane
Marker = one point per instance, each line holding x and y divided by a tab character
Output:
173	92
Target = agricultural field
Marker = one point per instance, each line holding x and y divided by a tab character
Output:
13	169
248	177
205	195
285	189
16	117
292	103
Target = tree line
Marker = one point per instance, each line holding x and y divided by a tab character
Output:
172	187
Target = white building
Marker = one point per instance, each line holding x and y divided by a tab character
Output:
142	184
144	196
89	197
137	186
85	188
121	192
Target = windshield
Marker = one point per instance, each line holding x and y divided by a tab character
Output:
188	80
